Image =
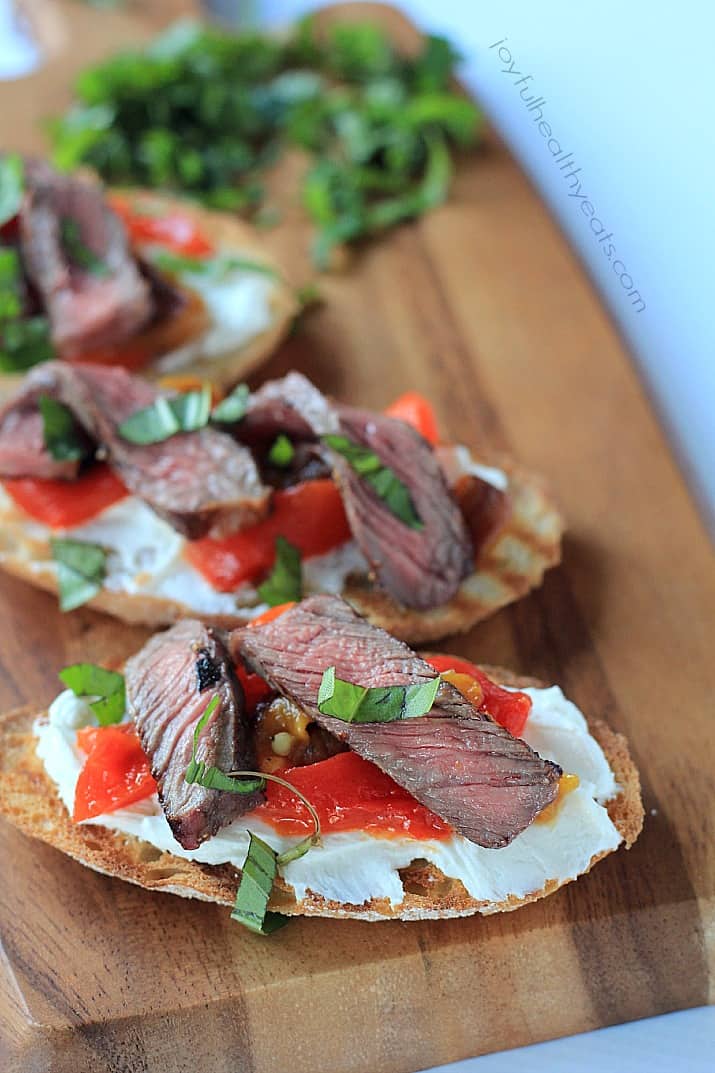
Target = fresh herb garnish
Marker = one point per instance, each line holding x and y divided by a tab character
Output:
285	582
168	416
262	862
233	408
61	436
88	680
25	342
216	268
381	704
12	181
258	875
78	251
207	113
81	569
212	777
382	479
282	452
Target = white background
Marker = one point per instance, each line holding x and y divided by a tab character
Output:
629	91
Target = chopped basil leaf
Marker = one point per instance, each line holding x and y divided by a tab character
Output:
215	267
10	279
308	295
209	115
193	409
261	865
233	408
282	451
78	251
383	704
285	582
12	176
382	479
62	439
212	777
23	343
81	569
89	680
254	890
168	416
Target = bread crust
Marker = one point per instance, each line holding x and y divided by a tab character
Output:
28	799
506	569
228	232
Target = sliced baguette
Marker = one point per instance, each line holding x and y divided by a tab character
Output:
507	568
28	799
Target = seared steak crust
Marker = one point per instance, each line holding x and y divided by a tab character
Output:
420	568
456	760
170	682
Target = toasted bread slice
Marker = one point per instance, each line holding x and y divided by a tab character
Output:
506	569
232	236
28	800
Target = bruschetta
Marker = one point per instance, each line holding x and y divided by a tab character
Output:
149	282
152	505
313	764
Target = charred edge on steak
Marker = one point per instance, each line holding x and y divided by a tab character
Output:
166	694
455	760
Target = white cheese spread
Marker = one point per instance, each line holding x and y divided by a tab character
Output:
239	308
146	555
353	867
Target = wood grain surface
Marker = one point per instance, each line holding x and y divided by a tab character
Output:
482	306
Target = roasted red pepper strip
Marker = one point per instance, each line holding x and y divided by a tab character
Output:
414	409
62	504
509	709
116	772
174	230
310	515
349	794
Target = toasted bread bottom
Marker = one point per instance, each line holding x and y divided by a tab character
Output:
29	800
506	569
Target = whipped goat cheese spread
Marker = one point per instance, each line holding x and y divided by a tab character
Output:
353	867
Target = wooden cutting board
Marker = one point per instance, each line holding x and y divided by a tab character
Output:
483	307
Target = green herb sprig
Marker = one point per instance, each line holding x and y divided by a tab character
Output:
62	438
215	268
87	680
382	704
382	479
78	251
285	582
12	184
81	570
261	865
168	416
24	341
233	408
207	113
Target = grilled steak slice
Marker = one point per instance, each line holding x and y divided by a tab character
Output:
420	568
201	482
292	406
455	760
76	253
22	448
169	685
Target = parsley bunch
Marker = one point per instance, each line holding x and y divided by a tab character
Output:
207	112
